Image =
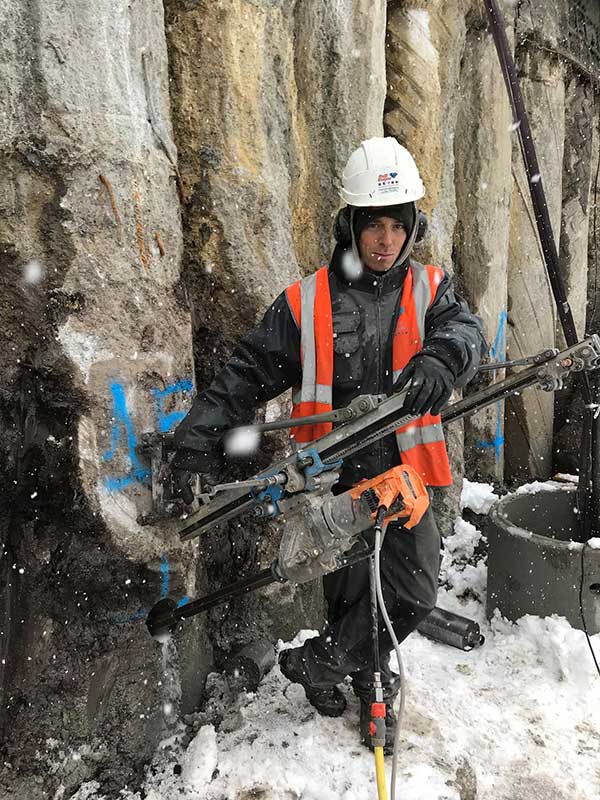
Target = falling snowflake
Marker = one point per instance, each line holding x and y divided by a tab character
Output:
242	441
33	272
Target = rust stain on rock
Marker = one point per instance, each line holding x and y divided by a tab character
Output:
159	244
139	228
113	203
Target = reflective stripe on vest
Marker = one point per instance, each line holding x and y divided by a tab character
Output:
421	442
310	303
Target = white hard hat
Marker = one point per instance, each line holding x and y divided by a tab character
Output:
381	173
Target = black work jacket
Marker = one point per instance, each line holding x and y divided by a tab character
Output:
266	362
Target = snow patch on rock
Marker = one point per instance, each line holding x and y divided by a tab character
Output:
594	543
200	761
543	486
479	497
84	349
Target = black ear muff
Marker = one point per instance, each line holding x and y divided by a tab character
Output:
422	226
342	231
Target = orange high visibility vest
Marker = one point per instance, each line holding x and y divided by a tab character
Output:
421	443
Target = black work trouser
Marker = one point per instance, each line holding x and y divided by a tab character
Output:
410	562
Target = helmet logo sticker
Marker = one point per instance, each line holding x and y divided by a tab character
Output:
387	179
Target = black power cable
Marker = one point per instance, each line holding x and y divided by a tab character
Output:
581	611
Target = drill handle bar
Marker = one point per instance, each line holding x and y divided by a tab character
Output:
378	417
359	406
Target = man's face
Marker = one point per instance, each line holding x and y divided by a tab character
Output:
380	243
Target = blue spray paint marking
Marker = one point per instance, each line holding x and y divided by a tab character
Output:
165	579
123	423
164	583
124	619
498	353
164	587
142	613
168	421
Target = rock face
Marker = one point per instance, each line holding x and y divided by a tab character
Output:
593	277
287	93
424	47
531	307
483	188
447	102
91	248
288	90
577	227
268	101
167	170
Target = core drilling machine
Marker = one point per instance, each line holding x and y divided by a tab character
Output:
325	531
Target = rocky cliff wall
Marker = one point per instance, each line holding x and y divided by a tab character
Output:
447	102
101	221
531	308
167	170
98	350
269	100
483	179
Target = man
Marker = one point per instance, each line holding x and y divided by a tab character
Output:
372	322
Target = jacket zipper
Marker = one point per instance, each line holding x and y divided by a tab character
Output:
382	353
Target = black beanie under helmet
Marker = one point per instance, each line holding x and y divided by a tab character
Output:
404	213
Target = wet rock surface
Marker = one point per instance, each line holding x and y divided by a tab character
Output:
91	243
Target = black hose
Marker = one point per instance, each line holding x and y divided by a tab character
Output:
581	610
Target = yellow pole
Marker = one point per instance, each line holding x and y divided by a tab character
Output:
380	774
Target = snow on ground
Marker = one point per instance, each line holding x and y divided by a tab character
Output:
479	497
516	719
543	486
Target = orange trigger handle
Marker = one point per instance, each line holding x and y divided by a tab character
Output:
399	483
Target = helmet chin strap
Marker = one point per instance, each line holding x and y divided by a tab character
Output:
410	242
355	252
407	247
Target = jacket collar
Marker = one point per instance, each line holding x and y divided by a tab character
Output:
369	281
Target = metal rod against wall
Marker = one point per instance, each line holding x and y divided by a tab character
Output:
588	498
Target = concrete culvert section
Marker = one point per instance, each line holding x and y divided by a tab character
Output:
535	566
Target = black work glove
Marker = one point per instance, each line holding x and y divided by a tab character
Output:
431	384
182	484
183	480
186	464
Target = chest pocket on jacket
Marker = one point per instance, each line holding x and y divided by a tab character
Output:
348	367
